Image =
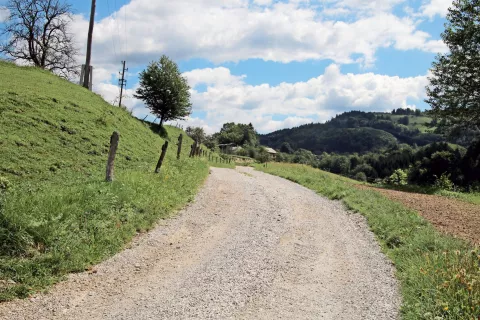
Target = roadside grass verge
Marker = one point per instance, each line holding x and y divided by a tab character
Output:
221	165
53	229
439	275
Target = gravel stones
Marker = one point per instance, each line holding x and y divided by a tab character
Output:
251	246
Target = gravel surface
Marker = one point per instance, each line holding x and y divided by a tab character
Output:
251	246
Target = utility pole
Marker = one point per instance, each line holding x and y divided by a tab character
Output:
86	80
122	83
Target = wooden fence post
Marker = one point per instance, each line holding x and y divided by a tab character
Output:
192	150
114	139
179	151
162	156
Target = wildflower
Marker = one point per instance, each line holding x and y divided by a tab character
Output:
445	309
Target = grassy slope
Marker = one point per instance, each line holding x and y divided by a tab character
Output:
419	122
60	215
439	275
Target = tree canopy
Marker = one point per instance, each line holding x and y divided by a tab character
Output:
37	33
454	90
239	134
196	133
165	91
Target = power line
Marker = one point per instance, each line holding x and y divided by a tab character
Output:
113	38
118	26
126	34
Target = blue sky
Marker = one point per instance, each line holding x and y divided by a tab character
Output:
276	64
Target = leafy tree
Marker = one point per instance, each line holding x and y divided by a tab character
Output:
340	165
164	90
196	133
453	91
360	176
404	120
211	142
239	134
303	156
399	178
286	148
367	170
37	34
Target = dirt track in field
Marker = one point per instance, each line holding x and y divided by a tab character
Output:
454	217
251	246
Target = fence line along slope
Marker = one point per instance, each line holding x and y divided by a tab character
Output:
57	215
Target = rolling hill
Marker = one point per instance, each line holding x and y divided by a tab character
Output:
57	214
355	132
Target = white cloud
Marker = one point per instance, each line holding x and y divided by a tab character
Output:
263	2
365	6
218	77
318	99
236	31
4	14
436	7
276	31
230	99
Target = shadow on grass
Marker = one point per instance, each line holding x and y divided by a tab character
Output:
156	128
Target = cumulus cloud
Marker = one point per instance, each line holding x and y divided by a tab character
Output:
286	31
363	6
230	99
436	7
236	31
271	108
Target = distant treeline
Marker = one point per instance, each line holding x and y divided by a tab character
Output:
421	165
356	131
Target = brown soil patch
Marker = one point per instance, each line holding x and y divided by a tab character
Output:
457	218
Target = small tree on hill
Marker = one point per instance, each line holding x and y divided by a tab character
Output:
165	91
37	33
196	133
454	85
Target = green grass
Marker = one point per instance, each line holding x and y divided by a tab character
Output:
416	122
59	215
439	275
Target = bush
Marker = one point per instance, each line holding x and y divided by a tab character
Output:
399	178
444	182
361	176
367	169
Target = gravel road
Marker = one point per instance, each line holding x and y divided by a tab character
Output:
251	246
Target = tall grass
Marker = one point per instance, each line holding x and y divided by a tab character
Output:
439	275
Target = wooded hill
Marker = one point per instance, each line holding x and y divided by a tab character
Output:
357	132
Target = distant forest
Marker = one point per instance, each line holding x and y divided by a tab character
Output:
405	146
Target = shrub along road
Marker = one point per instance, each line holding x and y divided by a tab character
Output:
252	246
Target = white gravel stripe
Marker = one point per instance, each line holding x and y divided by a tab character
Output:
251	246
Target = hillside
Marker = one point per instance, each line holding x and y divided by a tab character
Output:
59	215
355	131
